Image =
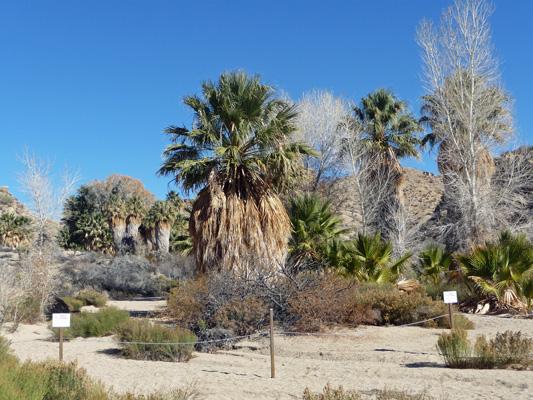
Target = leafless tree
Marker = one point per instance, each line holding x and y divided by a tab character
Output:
322	125
469	114
368	187
45	195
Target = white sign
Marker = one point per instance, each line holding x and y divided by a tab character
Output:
449	297
60	320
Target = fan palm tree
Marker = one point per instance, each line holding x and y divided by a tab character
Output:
162	214
501	269
115	211
371	260
390	133
14	230
238	153
94	232
135	210
434	262
314	228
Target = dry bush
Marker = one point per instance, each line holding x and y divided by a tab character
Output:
121	276
243	317
398	308
326	300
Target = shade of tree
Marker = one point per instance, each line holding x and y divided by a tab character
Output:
239	153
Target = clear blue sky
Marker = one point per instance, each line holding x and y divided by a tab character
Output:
94	83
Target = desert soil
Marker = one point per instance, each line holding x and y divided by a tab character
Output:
365	359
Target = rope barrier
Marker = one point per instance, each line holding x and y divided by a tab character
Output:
276	333
239	337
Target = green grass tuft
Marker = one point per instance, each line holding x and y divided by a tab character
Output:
145	332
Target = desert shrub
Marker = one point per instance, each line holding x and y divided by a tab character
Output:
121	276
508	348
512	348
455	348
330	393
398	308
52	380
6	199
219	300
326	300
435	290
91	298
140	332
73	304
97	324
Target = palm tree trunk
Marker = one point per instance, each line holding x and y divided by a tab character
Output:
162	236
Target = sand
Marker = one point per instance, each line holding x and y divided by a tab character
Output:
367	358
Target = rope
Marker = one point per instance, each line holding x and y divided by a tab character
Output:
236	337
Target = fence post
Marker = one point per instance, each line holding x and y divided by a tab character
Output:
60	344
451	316
272	368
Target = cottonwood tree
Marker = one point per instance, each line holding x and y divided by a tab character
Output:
45	194
322	126
468	112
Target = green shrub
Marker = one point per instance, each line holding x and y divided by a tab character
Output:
508	348
74	305
139	332
91	297
52	380
455	348
97	324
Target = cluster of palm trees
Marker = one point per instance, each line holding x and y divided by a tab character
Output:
106	219
15	230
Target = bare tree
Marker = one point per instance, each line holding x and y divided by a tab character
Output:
468	112
322	125
370	193
45	196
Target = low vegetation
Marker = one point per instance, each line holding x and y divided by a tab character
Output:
147	341
305	301
98	324
508	349
330	393
53	380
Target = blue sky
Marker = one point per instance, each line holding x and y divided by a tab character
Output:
94	83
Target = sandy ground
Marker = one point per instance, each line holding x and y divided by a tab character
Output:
368	358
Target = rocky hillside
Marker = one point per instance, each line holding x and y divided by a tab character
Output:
422	192
9	204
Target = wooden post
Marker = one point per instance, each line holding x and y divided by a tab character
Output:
60	344
451	317
272	368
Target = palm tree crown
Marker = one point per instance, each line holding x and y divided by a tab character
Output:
240	134
390	131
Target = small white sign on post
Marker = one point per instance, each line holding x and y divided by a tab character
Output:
450	297
60	320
